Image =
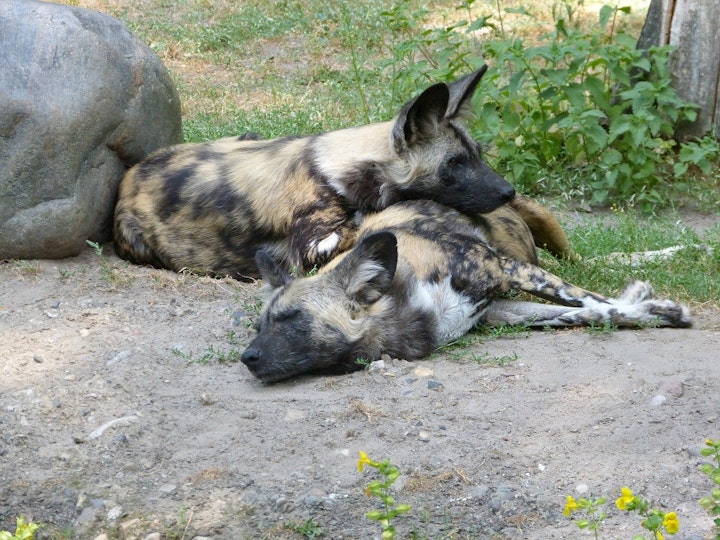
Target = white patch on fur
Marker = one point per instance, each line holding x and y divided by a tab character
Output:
329	244
456	314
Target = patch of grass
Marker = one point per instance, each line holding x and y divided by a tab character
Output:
25	268
211	354
110	273
692	275
309	529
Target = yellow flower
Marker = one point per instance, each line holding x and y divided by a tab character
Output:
570	506
365	460
671	523
626	498
659	536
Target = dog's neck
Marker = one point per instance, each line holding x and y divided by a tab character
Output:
360	165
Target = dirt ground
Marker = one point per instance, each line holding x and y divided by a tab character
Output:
123	415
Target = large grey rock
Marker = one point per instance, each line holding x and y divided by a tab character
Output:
81	99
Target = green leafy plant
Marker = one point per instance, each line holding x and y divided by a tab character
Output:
655	521
23	530
711	503
381	490
309	529
583	112
593	509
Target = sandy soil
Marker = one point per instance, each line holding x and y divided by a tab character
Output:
122	414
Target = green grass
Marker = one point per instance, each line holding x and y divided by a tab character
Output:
692	275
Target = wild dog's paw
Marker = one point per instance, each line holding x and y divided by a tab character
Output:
636	292
328	245
652	313
669	313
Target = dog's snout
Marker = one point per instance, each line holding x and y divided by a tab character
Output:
251	356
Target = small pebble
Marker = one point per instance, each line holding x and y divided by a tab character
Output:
120	439
250	415
434	385
424	436
37	358
168	489
658	400
376	366
207	399
294	414
423	372
581	489
114	513
674	388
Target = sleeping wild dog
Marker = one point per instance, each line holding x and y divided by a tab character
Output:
420	276
208	207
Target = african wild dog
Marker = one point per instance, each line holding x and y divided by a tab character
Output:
209	207
420	276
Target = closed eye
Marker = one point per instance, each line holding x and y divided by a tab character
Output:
285	315
453	162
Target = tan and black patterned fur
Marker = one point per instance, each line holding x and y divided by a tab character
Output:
208	207
419	276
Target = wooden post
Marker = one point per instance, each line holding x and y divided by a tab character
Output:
693	26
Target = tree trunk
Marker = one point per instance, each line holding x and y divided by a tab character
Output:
693	26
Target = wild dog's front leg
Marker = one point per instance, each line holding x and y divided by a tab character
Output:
319	235
636	306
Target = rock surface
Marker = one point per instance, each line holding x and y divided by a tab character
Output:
82	99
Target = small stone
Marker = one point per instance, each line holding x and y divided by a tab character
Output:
424	436
129	529
294	414
119	357
120	439
479	492
423	372
250	415
434	385
501	496
168	489
69	377
37	358
378	365
154	536
207	399
674	388
658	400
115	513
87	516
581	489
84	332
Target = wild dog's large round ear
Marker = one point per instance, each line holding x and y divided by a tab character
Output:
368	270
418	119
461	92
270	271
